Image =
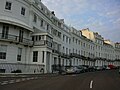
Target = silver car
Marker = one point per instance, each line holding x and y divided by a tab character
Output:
70	70
73	70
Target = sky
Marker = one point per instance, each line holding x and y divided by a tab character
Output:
102	16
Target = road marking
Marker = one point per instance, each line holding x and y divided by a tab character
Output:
91	84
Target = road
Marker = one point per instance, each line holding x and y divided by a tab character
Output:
100	80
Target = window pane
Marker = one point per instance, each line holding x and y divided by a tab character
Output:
35	18
2	55
35	56
8	5
23	11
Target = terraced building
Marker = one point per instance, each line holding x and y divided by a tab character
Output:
33	39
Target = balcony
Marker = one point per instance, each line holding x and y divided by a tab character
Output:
75	55
117	60
8	37
90	59
83	57
56	51
65	55
15	39
43	43
27	42
100	58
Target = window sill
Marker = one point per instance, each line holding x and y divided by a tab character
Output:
8	10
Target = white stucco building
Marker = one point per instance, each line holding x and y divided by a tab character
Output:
32	39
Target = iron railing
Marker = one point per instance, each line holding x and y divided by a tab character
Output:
43	43
13	38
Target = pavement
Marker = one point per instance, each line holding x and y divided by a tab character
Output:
100	80
25	74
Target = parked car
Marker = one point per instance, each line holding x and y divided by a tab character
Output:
104	67
86	68
55	68
111	66
107	68
91	68
78	69
82	68
70	70
73	69
98	68
58	69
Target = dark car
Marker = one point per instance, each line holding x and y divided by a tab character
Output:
91	68
83	68
86	68
104	67
58	69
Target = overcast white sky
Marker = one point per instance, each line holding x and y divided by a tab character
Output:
102	16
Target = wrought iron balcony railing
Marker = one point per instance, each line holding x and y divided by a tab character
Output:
16	39
65	55
8	37
75	55
43	43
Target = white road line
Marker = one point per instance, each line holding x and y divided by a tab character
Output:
91	84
